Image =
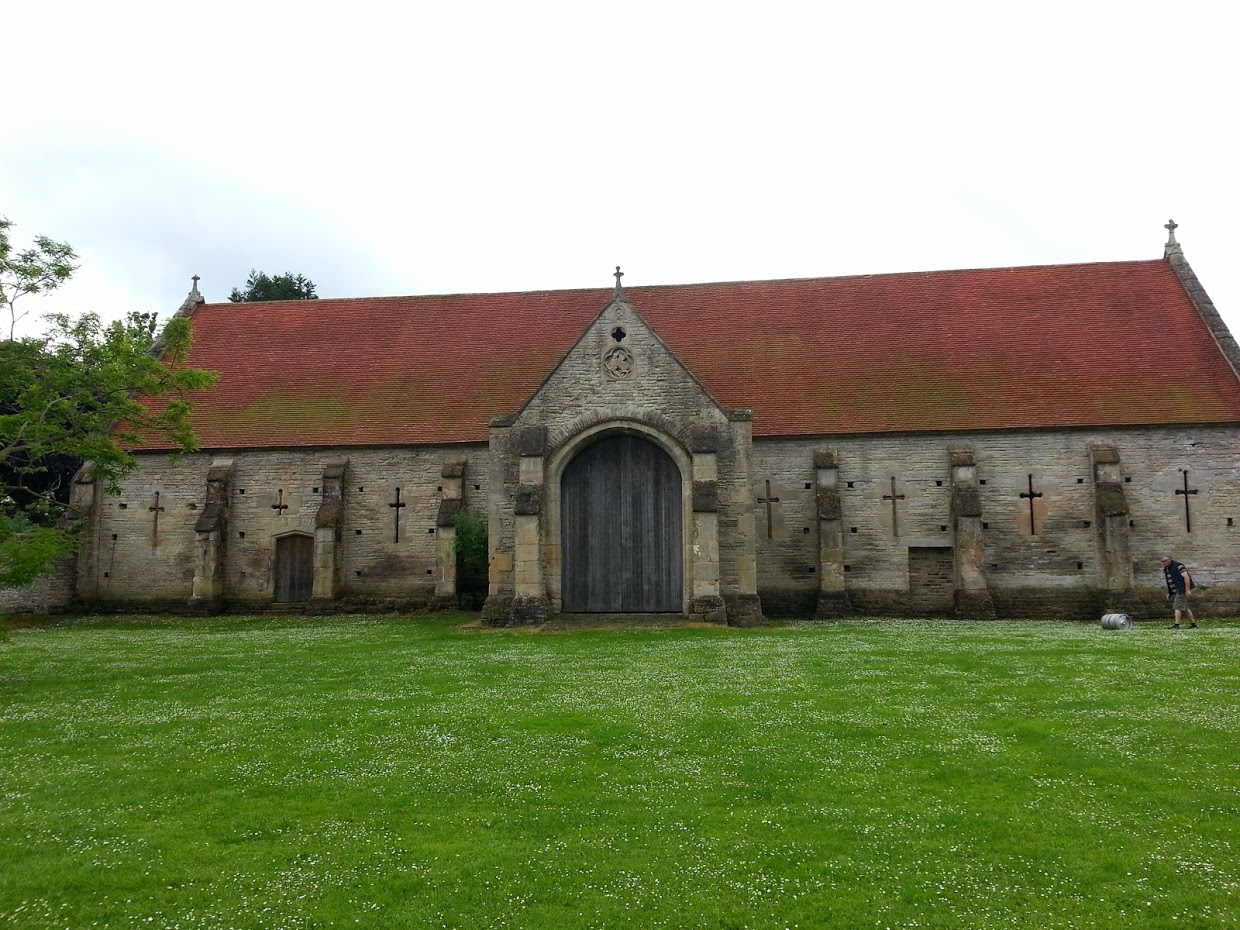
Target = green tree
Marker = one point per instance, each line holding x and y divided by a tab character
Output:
84	391
287	286
41	268
471	541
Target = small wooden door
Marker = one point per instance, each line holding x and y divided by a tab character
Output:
294	568
620	522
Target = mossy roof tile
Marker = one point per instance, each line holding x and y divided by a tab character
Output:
1111	344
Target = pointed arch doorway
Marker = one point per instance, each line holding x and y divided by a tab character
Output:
294	568
621	529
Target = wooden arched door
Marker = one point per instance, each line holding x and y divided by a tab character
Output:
294	568
621	529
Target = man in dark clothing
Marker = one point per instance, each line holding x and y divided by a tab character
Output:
1179	589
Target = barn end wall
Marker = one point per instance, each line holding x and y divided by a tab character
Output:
1061	566
128	561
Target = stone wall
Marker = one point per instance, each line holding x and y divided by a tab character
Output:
1105	506
1050	560
143	547
50	594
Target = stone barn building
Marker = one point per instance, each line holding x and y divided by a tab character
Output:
1007	442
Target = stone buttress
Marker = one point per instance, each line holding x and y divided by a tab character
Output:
211	550
972	595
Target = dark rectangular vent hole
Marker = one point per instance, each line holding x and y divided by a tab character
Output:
1127	481
812	569
852	529
431	530
806	530
1080	565
192	506
107	575
938	484
360	490
430	571
358	573
440	488
1080	480
477	487
241	535
357	532
314	490
1231	521
1132	524
808	485
994	566
985	525
848	568
1087	524
850	484
942	529
240	490
983	481
123	506
114	536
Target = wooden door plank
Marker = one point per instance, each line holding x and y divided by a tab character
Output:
294	568
621	542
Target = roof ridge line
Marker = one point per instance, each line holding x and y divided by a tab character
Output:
691	284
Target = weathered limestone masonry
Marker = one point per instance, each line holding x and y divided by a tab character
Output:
832	590
328	524
1035	523
972	594
203	530
1115	565
49	594
211	566
450	504
54	593
620	378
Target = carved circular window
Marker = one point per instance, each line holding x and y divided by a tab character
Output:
618	362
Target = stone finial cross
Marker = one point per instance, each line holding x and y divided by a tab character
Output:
1188	517
195	279
893	497
1031	494
398	505
618	275
1171	226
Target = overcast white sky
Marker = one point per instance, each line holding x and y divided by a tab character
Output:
380	148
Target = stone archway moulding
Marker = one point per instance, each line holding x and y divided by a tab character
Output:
660	428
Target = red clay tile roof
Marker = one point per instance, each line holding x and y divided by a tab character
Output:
1115	344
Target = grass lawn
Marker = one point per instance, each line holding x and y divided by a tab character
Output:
405	772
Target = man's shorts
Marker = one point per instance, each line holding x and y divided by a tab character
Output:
1179	602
